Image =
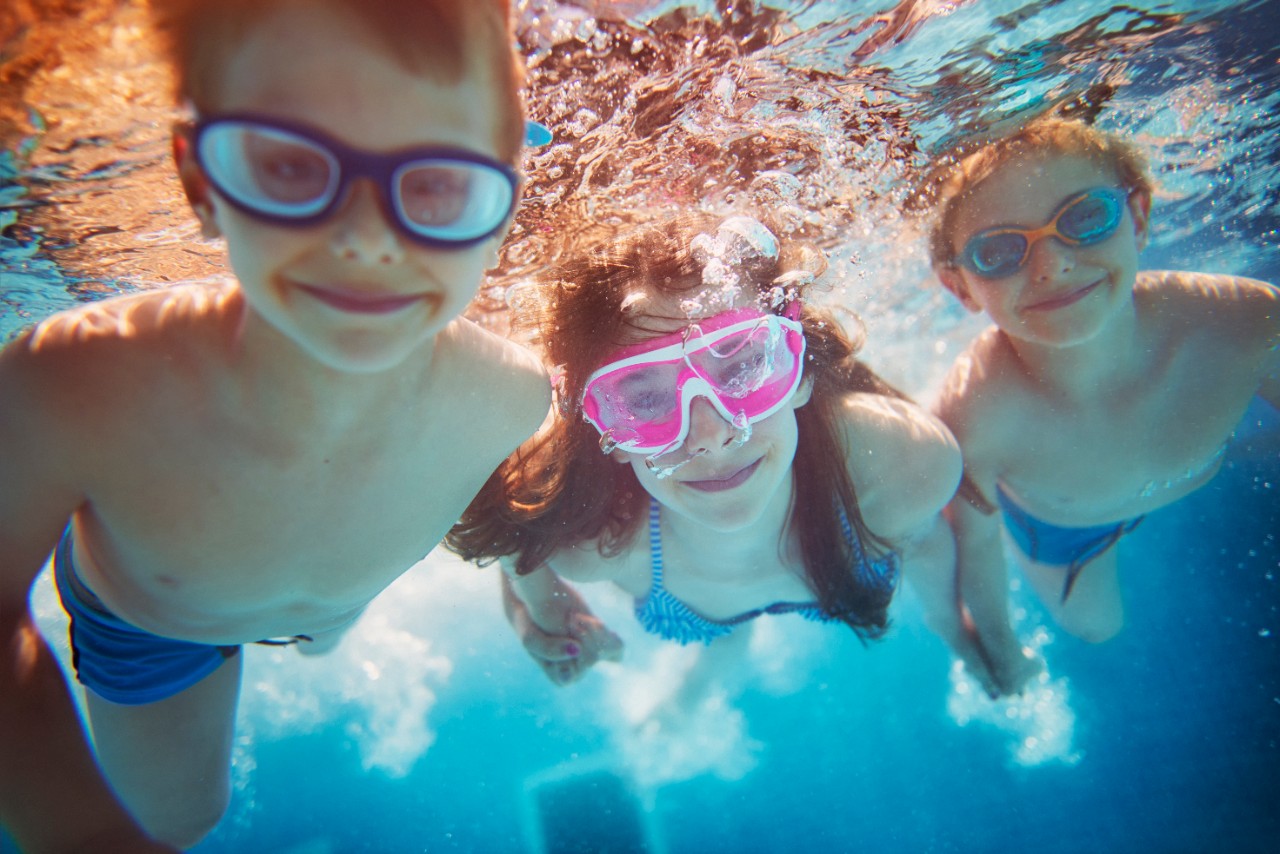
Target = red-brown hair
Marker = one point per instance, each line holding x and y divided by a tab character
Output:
559	490
430	37
954	178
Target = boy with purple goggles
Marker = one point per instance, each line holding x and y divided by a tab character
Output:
292	174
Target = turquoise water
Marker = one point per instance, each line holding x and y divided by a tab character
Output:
428	729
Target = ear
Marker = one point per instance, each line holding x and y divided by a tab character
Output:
803	393
194	183
1140	210
953	280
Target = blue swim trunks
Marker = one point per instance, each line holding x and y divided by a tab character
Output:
118	661
1052	544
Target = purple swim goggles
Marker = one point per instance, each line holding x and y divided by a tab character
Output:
290	174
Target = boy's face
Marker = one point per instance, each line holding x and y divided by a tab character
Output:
1062	294
351	290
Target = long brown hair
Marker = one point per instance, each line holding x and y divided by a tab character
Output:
559	490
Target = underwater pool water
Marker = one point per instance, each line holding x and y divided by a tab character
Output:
429	730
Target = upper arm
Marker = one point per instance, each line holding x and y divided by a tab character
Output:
583	562
38	491
530	400
1261	310
904	464
974	407
514	378
580	562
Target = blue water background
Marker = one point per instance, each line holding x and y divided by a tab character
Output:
1178	724
1176	721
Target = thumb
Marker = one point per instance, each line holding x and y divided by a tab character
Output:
608	646
550	647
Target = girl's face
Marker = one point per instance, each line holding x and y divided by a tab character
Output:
1062	294
714	478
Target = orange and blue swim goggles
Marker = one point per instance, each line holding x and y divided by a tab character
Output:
746	363
1082	220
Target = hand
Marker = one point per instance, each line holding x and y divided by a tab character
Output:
1013	672
565	655
1005	674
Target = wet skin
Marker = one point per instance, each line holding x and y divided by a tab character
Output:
252	459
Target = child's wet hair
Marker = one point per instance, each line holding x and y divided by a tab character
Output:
598	301
434	38
954	178
560	490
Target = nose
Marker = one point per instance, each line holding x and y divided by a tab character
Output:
1050	257
708	430
361	232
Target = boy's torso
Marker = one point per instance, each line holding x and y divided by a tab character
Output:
1124	451
218	516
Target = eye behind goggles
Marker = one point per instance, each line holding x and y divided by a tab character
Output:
293	175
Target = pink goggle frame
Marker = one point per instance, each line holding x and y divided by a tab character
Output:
746	363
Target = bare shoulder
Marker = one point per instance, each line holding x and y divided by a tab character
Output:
72	385
1233	306
511	377
904	462
94	358
1219	317
983	394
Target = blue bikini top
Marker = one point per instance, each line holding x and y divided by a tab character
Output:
666	616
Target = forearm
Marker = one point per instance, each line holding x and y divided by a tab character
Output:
983	577
929	566
547	599
52	796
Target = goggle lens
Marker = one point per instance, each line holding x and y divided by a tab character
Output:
275	171
451	201
739	364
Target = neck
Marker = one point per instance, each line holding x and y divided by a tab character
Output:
286	386
1107	360
707	551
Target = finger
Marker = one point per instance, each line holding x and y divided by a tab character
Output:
596	637
608	645
562	672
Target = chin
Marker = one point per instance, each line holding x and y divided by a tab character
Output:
726	517
1074	335
367	357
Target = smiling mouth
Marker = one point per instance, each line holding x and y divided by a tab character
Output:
354	302
1066	299
721	484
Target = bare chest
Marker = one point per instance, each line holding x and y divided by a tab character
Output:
1119	457
202	532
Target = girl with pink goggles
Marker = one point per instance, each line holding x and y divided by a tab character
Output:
746	363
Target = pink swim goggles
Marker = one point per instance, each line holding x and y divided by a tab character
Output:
746	363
